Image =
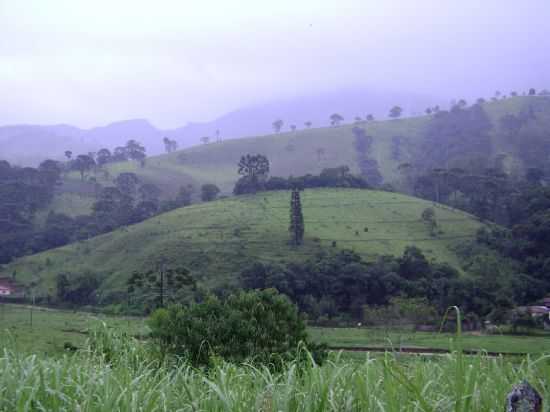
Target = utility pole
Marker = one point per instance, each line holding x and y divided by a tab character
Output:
32	306
162	284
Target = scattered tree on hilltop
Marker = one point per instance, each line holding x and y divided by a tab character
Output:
293	127
277	125
308	124
135	151
370	117
532	92
395	112
336	119
68	154
205	139
120	154
209	192
254	170
296	227
253	165
170	145
104	156
83	163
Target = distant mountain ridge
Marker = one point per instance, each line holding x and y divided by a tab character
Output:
30	144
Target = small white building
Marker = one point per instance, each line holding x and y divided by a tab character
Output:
5	290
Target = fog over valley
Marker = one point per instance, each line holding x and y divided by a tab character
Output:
290	206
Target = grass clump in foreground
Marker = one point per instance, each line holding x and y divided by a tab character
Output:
118	373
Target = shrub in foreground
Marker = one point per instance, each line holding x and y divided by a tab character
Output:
256	326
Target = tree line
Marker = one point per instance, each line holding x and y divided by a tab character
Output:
254	172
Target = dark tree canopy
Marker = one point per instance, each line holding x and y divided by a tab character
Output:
277	125
395	112
254	170
336	119
268	326
209	192
83	163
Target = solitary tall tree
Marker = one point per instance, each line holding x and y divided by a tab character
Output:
336	119
209	192
296	227
395	112
136	151
277	125
170	145
103	157
83	163
68	154
253	165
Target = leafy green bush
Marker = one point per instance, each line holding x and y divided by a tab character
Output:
257	326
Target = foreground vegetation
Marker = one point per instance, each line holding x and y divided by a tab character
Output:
118	373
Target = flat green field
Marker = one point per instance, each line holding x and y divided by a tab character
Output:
52	329
395	338
217	240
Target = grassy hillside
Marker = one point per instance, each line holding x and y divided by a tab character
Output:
295	153
216	240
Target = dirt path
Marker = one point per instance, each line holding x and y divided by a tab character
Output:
419	351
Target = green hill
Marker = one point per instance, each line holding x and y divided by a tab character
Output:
217	239
296	153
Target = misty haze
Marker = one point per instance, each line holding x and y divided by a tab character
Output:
274	206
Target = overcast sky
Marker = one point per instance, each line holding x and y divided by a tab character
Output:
89	62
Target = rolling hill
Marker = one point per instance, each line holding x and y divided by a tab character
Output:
217	240
298	153
30	144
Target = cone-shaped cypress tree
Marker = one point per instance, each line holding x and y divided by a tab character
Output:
296	218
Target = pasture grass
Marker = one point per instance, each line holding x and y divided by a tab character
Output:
216	240
52	329
406	337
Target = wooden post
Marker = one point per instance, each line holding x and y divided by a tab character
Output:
523	398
